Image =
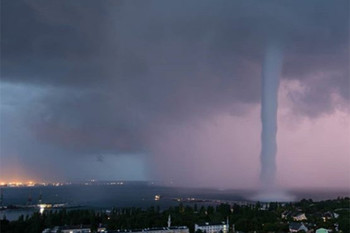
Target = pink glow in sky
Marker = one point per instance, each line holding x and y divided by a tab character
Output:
224	150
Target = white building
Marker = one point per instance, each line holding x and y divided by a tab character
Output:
169	229
329	215
297	226
70	229
285	214
299	217
76	230
212	227
175	229
53	230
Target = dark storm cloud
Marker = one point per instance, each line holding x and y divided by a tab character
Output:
116	69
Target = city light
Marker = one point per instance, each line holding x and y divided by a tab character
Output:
18	183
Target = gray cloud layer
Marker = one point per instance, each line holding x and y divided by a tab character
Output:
112	70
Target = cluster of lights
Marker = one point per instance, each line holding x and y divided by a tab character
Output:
28	184
157	197
17	184
32	183
93	182
115	183
42	207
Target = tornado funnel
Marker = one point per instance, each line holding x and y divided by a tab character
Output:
271	70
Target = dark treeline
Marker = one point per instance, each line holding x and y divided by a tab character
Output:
247	218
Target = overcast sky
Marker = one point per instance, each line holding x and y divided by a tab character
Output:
170	90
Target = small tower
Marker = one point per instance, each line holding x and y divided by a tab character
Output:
169	220
40	198
1	197
227	225
29	201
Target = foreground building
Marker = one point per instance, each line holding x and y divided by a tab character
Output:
175	229
329	215
212	227
169	229
73	229
76	230
296	216
299	217
297	226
